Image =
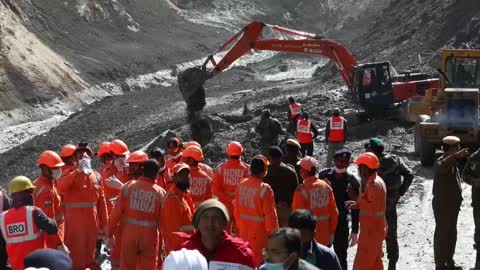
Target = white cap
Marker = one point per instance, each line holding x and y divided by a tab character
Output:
185	260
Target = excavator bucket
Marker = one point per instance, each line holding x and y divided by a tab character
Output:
190	83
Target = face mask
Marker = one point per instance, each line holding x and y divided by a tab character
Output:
183	185
56	174
338	170
119	163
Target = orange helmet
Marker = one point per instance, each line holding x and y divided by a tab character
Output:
234	149
192	143
67	150
103	149
137	157
50	159
119	148
193	152
368	159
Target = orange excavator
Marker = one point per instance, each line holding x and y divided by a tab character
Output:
374	86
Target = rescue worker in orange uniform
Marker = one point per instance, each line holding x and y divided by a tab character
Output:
306	132
335	135
177	208
204	167
138	208
23	226
254	207
316	195
46	197
200	181
164	178
85	209
228	175
115	175
294	112
372	205
67	154
174	151
104	155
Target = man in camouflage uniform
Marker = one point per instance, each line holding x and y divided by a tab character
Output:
392	170
269	129
471	176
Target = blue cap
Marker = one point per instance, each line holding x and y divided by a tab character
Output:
48	258
275	152
344	153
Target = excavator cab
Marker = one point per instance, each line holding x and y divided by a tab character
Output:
372	86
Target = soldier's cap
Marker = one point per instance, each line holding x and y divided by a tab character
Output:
308	163
293	143
344	153
375	142
451	140
179	167
209	204
275	152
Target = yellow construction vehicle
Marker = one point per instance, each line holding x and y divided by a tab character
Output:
454	109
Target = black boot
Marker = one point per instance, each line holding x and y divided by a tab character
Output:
392	265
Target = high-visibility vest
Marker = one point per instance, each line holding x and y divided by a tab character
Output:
337	129
21	234
304	131
295	110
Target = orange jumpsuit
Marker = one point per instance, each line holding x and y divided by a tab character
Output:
373	226
200	185
172	161
226	178
177	212
138	207
165	180
317	195
207	169
67	169
46	197
85	215
255	213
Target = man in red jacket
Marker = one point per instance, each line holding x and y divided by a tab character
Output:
221	250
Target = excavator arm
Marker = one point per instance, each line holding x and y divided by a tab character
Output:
250	38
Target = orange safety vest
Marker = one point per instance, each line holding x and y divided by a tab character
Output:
295	110
304	131
337	129
316	195
21	234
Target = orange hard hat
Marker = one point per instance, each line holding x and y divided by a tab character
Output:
137	157
234	149
368	159
50	159
67	150
192	143
103	149
194	152
119	148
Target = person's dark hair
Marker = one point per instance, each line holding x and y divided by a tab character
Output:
291	237
313	171
305	115
157	153
302	219
151	168
291	100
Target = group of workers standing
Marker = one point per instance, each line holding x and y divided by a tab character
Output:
279	211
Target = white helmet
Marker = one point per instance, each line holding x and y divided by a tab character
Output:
185	259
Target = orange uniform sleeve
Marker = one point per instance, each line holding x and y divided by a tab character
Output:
44	201
102	208
299	201
116	214
65	183
270	211
218	189
367	200
236	209
169	212
333	213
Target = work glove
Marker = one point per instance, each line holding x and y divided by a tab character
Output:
353	239
63	248
114	182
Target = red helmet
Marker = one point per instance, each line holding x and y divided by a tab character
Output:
193	152
234	149
119	148
103	149
368	159
68	150
192	143
137	157
50	159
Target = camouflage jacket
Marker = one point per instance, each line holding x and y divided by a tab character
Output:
392	170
